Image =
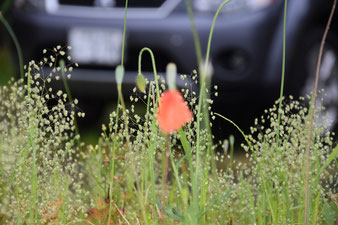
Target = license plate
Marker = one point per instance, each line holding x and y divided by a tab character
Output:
95	45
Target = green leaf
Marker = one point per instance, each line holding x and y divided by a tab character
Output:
185	143
172	213
332	156
329	214
215	200
315	209
141	83
179	163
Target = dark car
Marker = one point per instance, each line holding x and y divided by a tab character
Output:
246	50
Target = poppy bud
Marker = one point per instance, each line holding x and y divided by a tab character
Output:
141	82
171	76
119	73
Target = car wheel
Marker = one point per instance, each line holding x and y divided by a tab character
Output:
328	77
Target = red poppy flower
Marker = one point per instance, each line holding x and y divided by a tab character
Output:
172	113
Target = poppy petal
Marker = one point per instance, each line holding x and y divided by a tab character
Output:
173	113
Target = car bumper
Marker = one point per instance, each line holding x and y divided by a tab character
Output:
238	51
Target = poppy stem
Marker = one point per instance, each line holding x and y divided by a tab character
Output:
153	93
312	114
154	70
125	115
166	166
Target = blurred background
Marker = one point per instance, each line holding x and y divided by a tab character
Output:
246	50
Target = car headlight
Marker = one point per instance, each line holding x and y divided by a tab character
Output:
42	5
232	6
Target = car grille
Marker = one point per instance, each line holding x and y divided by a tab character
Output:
114	3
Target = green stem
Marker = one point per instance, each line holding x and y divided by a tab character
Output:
197	42
239	129
147	115
207	82
119	90
153	142
15	40
197	168
126	127
112	162
34	188
176	175
283	73
166	167
124	31
186	147
201	103
154	70
111	177
32	130
120	98
204	77
152	149
0	158
69	94
211	33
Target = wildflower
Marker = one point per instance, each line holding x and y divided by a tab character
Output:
173	113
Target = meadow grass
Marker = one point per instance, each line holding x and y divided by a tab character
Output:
137	173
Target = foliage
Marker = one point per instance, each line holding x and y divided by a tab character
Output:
73	185
38	152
